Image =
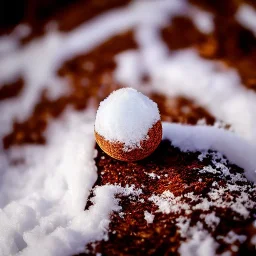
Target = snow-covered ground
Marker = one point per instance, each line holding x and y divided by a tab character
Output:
42	200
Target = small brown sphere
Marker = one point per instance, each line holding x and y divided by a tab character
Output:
147	147
128	125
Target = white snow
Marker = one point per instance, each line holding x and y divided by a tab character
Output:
126	116
200	138
200	244
129	69
217	89
203	20
153	175
211	220
50	188
149	217
246	15
87	226
38	61
11	42
42	199
198	241
168	203
35	63
183	224
231	237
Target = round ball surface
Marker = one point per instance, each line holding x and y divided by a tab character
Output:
127	125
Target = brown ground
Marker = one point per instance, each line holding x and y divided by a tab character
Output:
131	235
230	42
12	89
91	77
66	14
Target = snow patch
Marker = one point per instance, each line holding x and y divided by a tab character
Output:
246	15
198	243
49	188
200	138
38	61
87	226
149	217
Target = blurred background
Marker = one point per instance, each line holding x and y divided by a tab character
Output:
59	58
31	11
37	12
90	74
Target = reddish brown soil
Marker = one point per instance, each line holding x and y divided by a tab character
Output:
230	42
90	77
181	110
67	16
11	90
130	234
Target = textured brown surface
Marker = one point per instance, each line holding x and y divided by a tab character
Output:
70	16
182	33
147	147
66	14
230	42
130	234
91	77
181	110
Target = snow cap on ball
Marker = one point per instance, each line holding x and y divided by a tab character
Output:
125	116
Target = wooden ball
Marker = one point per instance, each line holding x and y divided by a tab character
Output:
147	147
